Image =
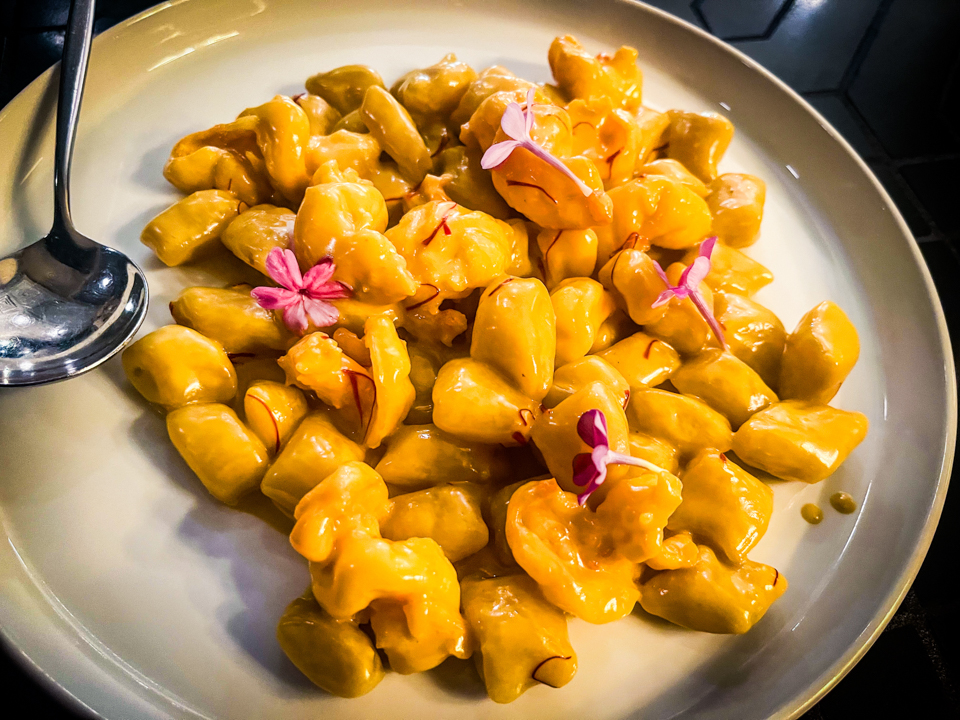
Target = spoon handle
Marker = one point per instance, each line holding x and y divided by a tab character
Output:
73	73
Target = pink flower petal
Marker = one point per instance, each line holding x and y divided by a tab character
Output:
321	313
664	297
334	290
295	317
701	305
282	267
498	153
585	470
558	164
592	428
695	273
514	122
706	247
318	275
661	273
271	298
528	114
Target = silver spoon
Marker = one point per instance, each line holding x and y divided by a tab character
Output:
67	303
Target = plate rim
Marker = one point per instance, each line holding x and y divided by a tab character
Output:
795	706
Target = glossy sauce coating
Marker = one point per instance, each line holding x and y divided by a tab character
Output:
428	441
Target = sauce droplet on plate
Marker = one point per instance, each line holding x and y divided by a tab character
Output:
843	503
811	513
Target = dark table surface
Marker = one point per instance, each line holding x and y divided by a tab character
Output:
886	73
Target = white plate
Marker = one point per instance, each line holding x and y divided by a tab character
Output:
132	591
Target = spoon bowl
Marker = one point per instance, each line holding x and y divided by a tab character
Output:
67	303
65	307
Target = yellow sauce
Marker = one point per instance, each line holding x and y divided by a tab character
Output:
843	503
811	513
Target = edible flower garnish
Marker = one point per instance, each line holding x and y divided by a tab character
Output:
590	469
689	286
517	124
302	296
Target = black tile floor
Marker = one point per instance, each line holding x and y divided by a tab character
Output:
886	73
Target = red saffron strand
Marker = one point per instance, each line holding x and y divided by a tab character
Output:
511	183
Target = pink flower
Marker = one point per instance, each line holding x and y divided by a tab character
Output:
517	124
689	286
590	469
301	297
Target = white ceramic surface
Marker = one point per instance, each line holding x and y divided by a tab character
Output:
126	586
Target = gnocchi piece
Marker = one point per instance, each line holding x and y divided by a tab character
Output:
581	305
420	456
653	210
698	140
580	75
678	551
753	333
273	411
643	361
448	513
576	375
618	326
797	440
489	81
176	366
731	271
515	333
191	226
682	326
344	87
453	249
343	218
352	122
522	639
314	450
335	654
541	192
283	132
472	401
736	203
683	422
555	431
391	125
321	114
713	597
652	127
725	383
232	318
228	458
255	232
607	135
355	151
410	586
434	92
469	185
559	544
225	157
317	363
818	355
723	505
632	277
674	170
393	392
566	254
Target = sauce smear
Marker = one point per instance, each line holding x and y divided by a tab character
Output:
811	513
843	503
